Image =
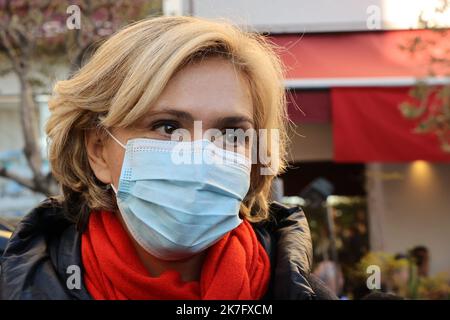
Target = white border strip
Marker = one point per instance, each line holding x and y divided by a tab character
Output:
313	83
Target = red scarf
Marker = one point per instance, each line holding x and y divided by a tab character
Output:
236	267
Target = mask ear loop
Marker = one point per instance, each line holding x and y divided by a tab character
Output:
123	146
115	139
114	188
100	118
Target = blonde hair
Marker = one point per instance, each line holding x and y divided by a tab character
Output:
125	77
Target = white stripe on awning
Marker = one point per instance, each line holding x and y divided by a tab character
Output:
317	83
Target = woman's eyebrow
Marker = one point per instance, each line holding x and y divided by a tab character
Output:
233	121
219	123
176	113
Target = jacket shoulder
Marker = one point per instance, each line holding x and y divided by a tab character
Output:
32	265
287	240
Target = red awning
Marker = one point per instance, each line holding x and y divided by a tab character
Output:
309	106
367	123
368	127
355	55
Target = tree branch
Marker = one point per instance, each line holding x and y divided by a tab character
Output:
9	50
28	183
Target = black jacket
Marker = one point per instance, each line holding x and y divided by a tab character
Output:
44	244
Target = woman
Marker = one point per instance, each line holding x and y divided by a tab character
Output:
134	222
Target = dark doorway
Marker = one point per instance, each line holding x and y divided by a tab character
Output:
339	244
347	179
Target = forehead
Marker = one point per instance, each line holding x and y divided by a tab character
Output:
208	89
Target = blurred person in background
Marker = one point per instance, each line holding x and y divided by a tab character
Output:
331	274
421	257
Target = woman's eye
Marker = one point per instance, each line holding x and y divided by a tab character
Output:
231	137
165	128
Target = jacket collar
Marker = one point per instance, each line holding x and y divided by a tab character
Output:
36	262
287	240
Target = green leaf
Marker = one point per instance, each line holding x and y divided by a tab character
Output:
445	146
411	111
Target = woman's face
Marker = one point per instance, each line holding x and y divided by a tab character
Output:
210	91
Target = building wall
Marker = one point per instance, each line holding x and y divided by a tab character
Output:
11	137
409	205
15	201
311	142
316	16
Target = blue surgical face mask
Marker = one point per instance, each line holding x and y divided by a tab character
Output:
179	198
